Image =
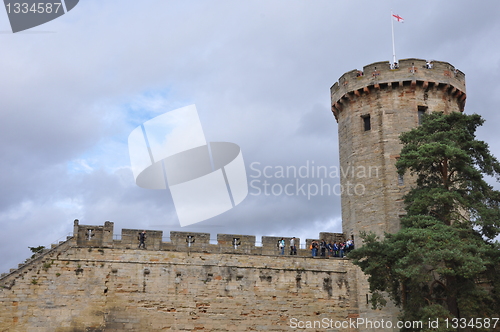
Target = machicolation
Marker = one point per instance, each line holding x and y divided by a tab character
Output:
380	75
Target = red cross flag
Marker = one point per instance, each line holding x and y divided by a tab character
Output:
398	18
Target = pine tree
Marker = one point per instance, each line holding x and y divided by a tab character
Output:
444	262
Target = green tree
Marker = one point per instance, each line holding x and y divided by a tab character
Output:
443	263
36	250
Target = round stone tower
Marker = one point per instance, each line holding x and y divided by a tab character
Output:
372	108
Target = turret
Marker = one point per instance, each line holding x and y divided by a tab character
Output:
372	108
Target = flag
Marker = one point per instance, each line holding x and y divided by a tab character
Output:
398	18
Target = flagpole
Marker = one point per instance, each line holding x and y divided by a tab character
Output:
393	47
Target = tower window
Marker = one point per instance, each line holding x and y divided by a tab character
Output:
401	180
366	122
421	112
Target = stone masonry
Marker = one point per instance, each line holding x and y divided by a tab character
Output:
94	283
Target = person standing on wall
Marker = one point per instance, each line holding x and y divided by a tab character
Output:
322	246
314	248
142	239
293	248
281	246
329	247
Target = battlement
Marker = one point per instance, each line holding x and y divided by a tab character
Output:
102	236
383	74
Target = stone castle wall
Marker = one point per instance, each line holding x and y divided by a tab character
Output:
90	283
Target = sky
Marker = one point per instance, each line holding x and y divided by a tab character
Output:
259	73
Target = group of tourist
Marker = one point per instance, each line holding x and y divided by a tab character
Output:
340	249
330	249
321	248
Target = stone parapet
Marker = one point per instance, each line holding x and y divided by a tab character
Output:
413	71
192	241
94	235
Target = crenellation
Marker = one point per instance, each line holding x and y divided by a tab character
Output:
380	74
91	235
130	240
192	240
332	237
373	70
195	241
236	243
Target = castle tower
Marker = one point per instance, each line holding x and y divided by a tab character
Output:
372	108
